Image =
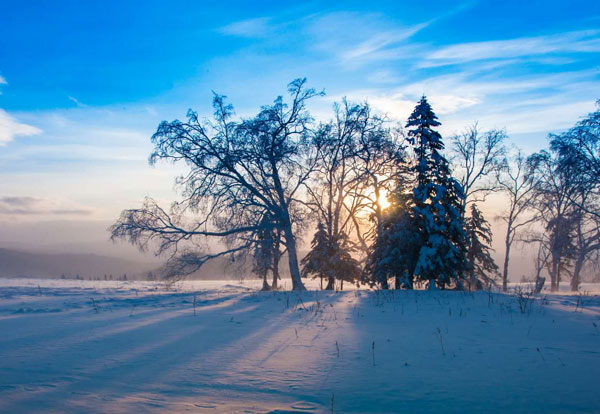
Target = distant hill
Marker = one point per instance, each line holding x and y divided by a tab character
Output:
23	263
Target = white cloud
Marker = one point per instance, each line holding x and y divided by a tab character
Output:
383	76
357	38
382	45
2	82
532	104
585	41
251	28
540	119
449	104
473	87
27	206
398	104
77	102
11	128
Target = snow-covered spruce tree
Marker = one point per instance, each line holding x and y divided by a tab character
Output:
438	198
329	258
395	251
482	268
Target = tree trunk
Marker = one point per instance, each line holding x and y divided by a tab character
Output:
473	285
577	274
409	281
274	285
265	285
384	283
432	285
553	273
539	283
506	259
330	284
290	243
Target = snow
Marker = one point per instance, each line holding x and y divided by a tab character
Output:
137	347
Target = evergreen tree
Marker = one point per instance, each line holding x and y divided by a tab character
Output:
437	204
395	251
330	258
482	267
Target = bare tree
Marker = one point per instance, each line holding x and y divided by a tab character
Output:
478	156
555	188
516	181
580	147
240	172
540	263
587	241
578	152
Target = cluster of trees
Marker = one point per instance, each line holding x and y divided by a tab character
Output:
385	201
106	277
567	200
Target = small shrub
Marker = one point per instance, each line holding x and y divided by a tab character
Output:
525	299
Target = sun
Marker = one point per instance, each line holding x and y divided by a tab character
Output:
383	200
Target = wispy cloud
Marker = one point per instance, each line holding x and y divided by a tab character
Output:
521	104
77	102
584	41
358	38
251	28
11	128
398	104
382	45
384	76
350	38
26	206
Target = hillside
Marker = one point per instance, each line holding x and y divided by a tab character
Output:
47	265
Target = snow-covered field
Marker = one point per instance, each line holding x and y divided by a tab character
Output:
136	347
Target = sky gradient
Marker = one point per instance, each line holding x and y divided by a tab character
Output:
83	85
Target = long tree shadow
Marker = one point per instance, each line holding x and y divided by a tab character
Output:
114	316
82	356
362	351
461	352
222	360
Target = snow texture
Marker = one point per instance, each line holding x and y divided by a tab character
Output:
137	347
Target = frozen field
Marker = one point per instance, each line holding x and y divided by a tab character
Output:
136	347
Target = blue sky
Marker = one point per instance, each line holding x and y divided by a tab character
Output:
84	84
